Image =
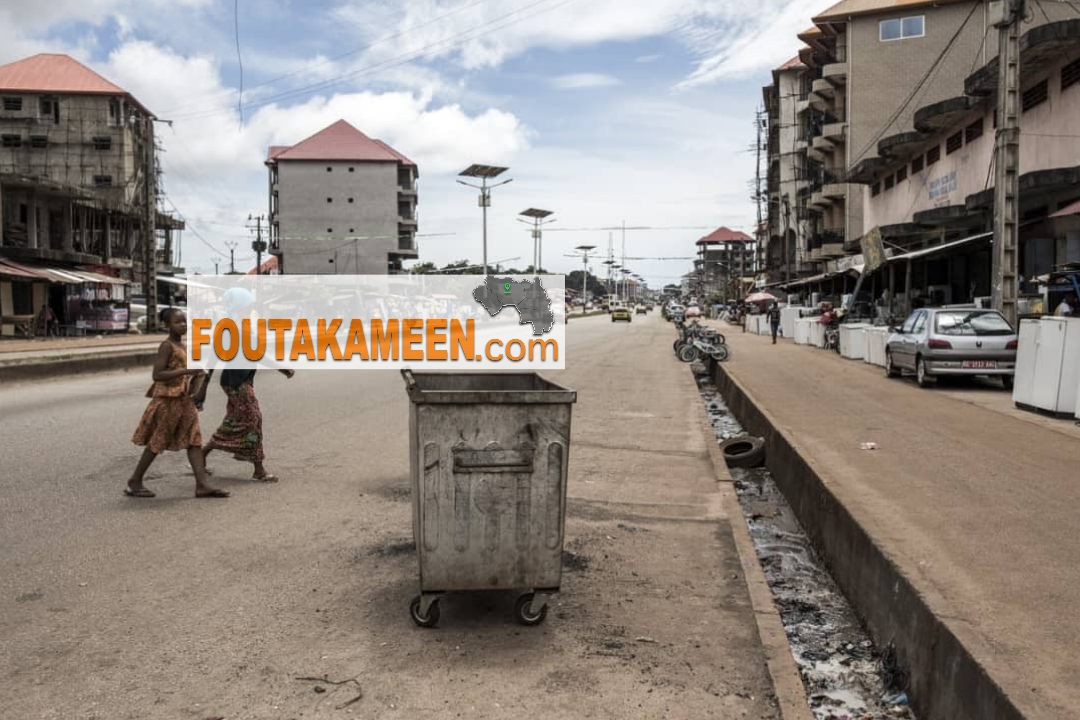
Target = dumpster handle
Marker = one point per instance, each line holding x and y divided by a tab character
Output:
410	381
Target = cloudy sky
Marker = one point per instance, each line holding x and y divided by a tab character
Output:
606	111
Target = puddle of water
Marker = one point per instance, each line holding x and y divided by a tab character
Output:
846	677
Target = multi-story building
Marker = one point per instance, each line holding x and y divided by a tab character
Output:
342	203
724	255
75	150
866	67
933	191
785	250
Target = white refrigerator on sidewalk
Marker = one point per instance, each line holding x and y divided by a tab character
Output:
1026	351
1057	366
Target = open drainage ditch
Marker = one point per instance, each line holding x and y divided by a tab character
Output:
845	675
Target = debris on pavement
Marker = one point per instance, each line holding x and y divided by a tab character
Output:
845	676
868	446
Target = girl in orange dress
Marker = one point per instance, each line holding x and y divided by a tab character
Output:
171	420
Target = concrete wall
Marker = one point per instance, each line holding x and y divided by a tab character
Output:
69	156
965	171
310	228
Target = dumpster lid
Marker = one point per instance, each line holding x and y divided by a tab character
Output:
484	388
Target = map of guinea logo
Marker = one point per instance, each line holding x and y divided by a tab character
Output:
528	297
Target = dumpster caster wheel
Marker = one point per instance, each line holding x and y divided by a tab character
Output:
524	612
429	620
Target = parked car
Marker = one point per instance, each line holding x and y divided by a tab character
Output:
693	311
621	313
953	341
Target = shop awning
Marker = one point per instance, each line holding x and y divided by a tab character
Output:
1071	209
182	281
915	254
809	280
14	269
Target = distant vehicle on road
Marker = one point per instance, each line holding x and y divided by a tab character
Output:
693	311
640	310
953	341
621	313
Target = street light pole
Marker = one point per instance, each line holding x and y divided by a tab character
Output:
538	220
584	250
484	172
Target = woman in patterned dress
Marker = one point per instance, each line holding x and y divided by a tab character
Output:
171	420
241	432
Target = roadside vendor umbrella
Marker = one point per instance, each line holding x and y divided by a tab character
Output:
760	297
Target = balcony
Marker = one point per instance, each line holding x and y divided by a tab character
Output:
817	156
819	200
823	144
819	102
835	191
835	73
407	220
407	246
836	132
823	87
407	190
802	106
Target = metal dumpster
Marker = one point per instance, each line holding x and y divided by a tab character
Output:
488	455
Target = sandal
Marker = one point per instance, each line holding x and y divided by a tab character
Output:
215	493
140	493
268	478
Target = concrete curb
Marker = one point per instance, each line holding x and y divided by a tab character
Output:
946	681
76	365
588	314
786	679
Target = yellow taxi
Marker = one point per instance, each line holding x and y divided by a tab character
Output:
621	312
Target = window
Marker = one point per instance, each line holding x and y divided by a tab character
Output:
39	141
971	323
1070	74
875	189
902	28
13	104
22	298
920	322
917	165
103	181
901	175
11	141
114	111
889	182
329	230
933	155
329	200
954	143
329	169
50	108
909	324
973	130
352	230
350	200
1035	96
351	169
103	143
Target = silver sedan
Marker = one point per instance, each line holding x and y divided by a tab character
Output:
953	341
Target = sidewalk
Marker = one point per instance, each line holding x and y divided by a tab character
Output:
974	501
62	345
22	360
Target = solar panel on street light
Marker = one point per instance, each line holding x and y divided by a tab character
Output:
482	171
535	213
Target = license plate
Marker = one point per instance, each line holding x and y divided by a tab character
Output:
980	365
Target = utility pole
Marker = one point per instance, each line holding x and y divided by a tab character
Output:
623	260
1006	16
584	250
759	122
216	261
232	256
484	172
149	231
787	250
538	219
259	245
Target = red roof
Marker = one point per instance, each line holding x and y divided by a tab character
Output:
724	235
340	141
795	62
267	268
60	74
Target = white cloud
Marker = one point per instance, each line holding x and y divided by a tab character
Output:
580	81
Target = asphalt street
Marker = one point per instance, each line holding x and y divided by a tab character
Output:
175	607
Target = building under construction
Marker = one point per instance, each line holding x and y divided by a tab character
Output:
78	171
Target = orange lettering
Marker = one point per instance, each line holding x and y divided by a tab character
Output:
279	327
410	337
462	341
357	343
219	346
387	347
254	353
435	338
328	339
199	326
302	343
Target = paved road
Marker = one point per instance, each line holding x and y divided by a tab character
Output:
976	501
183	608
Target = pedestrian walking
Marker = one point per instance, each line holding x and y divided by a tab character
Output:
241	431
46	321
774	320
171	420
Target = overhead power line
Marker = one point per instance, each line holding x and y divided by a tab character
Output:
448	44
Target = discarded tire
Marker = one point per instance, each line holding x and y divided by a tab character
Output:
743	452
